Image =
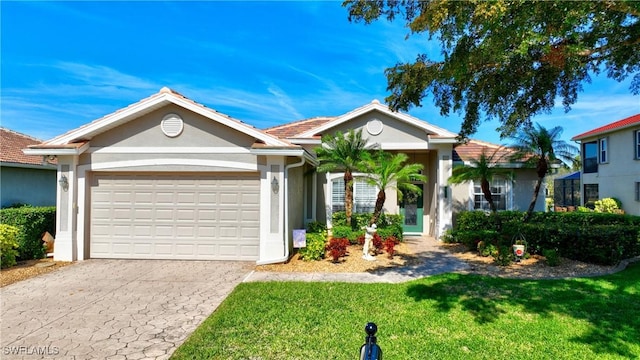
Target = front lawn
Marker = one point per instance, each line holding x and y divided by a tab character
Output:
449	316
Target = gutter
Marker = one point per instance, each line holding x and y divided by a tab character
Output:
286	215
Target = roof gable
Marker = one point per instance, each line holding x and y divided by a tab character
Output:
614	126
11	148
162	98
376	106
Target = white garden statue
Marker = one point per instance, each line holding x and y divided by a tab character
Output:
370	231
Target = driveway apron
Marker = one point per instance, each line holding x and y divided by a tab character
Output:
113	309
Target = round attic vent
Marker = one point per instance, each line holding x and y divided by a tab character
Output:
172	125
374	127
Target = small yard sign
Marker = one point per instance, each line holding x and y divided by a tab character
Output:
299	238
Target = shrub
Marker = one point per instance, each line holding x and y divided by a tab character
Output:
337	248
315	248
32	222
487	249
8	245
389	245
347	233
316	227
377	243
552	257
607	205
388	224
504	256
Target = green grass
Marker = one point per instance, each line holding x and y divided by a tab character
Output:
448	316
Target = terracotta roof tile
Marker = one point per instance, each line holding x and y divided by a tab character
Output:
631	120
11	148
290	130
474	148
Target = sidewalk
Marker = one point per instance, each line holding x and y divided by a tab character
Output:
435	261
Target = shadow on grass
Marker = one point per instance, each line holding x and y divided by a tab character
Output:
611	304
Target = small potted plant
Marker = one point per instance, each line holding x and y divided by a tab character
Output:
519	246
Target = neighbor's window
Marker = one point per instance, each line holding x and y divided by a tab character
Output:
590	162
590	193
638	191
499	195
364	195
603	151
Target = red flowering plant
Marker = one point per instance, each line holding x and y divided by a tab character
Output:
337	248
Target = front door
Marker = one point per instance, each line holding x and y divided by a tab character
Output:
412	210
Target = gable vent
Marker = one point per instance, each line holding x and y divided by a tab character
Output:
374	127
172	125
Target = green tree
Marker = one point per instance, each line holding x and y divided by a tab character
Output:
483	169
540	147
389	171
508	60
347	153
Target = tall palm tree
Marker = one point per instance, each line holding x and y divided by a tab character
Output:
540	147
345	153
483	169
388	171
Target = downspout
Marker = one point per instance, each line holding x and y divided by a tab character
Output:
286	214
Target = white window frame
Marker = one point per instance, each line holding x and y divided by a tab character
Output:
359	182
603	150
484	205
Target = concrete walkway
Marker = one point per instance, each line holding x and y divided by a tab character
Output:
434	260
113	309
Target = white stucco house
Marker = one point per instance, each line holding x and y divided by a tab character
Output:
611	163
168	178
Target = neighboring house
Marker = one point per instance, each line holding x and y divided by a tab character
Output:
509	192
24	179
611	163
168	178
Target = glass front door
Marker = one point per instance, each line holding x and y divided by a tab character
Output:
412	209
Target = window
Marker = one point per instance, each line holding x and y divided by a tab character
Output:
364	196
590	162
638	191
498	195
636	136
603	151
590	193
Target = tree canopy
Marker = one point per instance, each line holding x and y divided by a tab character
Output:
508	60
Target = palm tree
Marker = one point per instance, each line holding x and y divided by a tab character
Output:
482	169
388	171
540	147
345	153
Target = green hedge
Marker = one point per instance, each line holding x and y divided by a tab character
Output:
8	245
598	238
388	225
32	223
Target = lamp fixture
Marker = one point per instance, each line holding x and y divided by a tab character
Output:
275	186
64	183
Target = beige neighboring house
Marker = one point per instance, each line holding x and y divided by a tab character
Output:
611	163
509	192
168	178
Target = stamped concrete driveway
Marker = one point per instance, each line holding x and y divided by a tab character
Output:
113	309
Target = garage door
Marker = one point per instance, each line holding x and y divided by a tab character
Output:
153	216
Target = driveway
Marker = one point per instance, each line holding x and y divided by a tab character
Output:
113	309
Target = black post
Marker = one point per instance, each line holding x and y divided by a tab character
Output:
370	350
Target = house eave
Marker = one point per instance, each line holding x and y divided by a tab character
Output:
28	166
48	150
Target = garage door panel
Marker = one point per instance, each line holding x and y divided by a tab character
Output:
175	216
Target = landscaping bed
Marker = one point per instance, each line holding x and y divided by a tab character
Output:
29	268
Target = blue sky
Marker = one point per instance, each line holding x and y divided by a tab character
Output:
266	63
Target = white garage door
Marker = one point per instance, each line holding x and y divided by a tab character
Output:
173	216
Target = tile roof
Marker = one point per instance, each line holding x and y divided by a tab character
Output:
11	145
474	148
616	125
292	129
